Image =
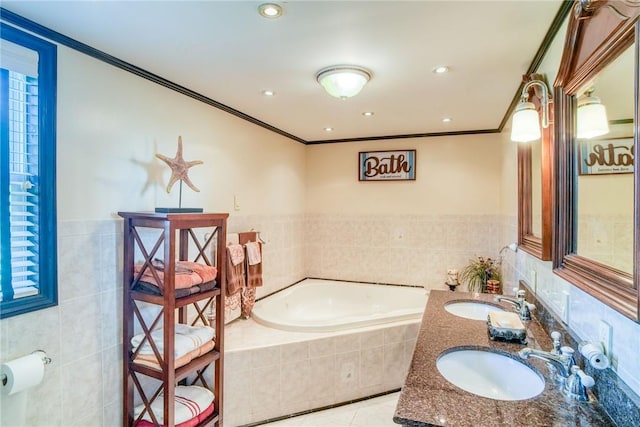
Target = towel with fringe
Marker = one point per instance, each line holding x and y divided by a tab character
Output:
190	402
235	269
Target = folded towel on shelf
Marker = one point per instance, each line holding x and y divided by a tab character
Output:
206	272
187	338
185	277
150	360
152	289
193	422
254	255
190	402
235	272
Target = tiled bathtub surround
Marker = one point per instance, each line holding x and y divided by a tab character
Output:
271	373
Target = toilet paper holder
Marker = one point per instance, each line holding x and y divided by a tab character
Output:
45	361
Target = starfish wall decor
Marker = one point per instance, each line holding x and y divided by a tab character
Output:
179	169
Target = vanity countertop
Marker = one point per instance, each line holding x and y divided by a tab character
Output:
428	399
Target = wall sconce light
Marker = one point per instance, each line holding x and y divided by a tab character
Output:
592	117
343	81
525	126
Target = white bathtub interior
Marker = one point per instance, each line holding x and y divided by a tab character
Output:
330	305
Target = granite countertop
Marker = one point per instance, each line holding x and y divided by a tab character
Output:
428	399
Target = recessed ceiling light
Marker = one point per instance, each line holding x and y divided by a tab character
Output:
446	120
268	92
270	10
328	129
368	113
441	70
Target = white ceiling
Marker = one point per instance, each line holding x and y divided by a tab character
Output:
227	52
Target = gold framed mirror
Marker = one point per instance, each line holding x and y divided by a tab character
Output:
597	217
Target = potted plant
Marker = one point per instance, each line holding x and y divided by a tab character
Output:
481	271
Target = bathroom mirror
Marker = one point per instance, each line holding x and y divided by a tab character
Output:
535	161
598	186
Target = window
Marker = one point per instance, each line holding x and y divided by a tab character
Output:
28	259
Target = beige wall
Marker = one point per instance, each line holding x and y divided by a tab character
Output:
456	175
111	123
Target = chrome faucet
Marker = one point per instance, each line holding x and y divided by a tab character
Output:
521	305
562	362
577	384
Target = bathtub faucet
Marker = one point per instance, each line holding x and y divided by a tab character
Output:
522	306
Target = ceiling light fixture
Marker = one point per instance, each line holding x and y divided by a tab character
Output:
328	129
526	126
447	120
270	10
268	92
592	117
441	69
368	113
343	81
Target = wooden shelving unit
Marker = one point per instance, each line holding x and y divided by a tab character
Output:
174	234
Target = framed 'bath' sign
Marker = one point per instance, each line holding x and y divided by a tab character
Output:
399	165
606	156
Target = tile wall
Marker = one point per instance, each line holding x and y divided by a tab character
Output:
401	249
82	335
608	239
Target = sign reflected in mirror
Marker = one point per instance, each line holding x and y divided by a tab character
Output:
606	156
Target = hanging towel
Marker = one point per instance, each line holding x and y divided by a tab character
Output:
254	250
235	271
236	253
253	253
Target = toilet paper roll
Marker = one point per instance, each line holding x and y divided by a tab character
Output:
20	374
594	354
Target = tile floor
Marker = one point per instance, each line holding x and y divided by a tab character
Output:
376	412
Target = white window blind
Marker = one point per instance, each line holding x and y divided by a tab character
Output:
23	183
28	226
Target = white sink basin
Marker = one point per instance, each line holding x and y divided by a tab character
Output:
490	374
475	310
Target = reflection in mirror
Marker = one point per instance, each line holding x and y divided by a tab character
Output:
605	185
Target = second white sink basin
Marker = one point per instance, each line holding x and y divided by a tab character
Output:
475	310
491	374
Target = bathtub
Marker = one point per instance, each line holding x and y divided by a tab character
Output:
315	305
